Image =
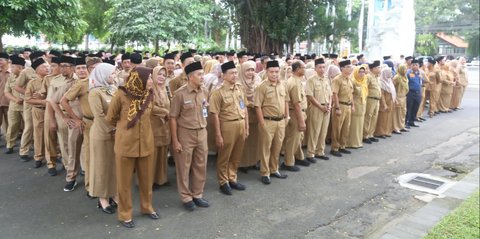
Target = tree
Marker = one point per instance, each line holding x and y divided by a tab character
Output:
426	44
31	17
93	13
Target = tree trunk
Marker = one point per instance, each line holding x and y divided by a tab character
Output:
86	42
156	44
1	42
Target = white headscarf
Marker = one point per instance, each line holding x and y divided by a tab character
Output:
386	82
99	75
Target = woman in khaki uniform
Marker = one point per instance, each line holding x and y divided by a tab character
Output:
103	179
130	111
447	81
400	82
360	93
389	96
160	127
250	80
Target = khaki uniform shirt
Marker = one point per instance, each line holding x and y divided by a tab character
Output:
34	86
136	141
401	88
271	98
54	85
80	90
4	76
99	99
189	107
160	127
178	82
374	89
343	87
25	76
319	88
228	102
10	88
296	92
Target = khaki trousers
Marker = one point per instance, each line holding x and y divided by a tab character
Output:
62	135
15	119
229	155
341	127
4	119
160	165
38	117
271	138
371	116
293	140
434	99
72	164
27	135
191	163
85	159
400	111
51	143
317	125
125	166
421	108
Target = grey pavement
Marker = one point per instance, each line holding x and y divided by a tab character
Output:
355	196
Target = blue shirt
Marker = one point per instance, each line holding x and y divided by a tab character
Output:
414	80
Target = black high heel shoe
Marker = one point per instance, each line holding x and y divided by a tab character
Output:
113	203
107	210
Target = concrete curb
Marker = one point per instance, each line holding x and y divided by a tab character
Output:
419	223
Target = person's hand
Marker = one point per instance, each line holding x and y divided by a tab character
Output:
177	147
245	135
219	141
53	125
302	126
338	112
353	108
19	101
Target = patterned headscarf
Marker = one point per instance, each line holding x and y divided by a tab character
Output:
136	89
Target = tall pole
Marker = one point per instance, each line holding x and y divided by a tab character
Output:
360	27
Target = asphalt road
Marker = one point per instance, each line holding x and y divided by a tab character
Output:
348	197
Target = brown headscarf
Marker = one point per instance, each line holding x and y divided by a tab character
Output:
159	91
136	89
249	85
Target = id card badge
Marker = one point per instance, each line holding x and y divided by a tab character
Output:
205	112
242	105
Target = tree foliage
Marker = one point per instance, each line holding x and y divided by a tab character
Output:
31	17
426	45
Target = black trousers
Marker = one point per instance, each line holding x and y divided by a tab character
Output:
414	97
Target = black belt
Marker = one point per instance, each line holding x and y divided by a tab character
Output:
325	104
345	103
375	98
41	108
273	118
88	118
303	110
235	120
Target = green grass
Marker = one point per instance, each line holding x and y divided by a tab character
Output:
461	223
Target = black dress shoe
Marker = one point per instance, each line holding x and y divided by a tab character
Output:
52	171
407	127
404	130
129	224
108	210
335	153
82	172
396	132
38	164
344	151
289	168
189	206
200	202
373	139
237	186
413	125
171	161
266	180
322	157
278	175
380	136
90	197
311	160
367	141
417	120
304	163
422	119
225	189
9	151
113	203
25	158
243	169
153	215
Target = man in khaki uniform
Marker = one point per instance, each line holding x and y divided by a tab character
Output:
319	95
4	101
51	139
230	118
126	67
271	107
169	63
373	103
36	99
296	125
72	101
175	84
188	122
15	108
27	75
342	88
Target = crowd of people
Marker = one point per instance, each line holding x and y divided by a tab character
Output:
113	118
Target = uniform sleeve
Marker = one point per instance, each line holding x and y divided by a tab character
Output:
309	87
215	102
335	85
96	105
73	92
114	109
8	87
29	91
259	96
22	79
295	93
44	88
175	105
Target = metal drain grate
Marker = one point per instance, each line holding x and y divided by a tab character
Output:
426	182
